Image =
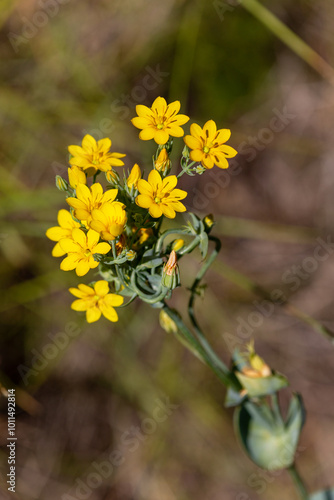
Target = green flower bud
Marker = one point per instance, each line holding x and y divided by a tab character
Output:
61	184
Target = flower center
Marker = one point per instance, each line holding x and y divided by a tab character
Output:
160	126
87	253
206	149
97	298
157	200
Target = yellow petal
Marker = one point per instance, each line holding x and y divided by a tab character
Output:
102	248
144	200
161	137
147	134
65	219
207	161
169	183
196	155
93	314
154	178
155	211
196	131
223	135
57	233
142	122
57	251
83	193
110	195
178	120
79	237
92	238
173	108
210	130
177	206
175	131
89	143
228	151
193	142
82	268
101	288
104	144
79	305
108	312
143	111
145	188
113	299
70	262
68	245
178	194
159	106
167	211
88	290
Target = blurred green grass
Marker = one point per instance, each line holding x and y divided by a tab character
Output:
71	77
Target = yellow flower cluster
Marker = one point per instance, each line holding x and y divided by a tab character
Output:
120	222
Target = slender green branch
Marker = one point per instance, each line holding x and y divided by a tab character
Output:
293	41
207	355
298	482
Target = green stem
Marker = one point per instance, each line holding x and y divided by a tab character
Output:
298	482
287	36
204	351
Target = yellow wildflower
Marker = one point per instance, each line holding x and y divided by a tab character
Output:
109	220
96	301
76	176
64	230
159	196
87	199
134	177
160	121
162	163
208	146
81	249
93	156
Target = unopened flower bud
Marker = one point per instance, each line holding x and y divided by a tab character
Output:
131	255
76	176
134	177
177	244
170	275
61	183
167	323
162	163
112	176
209	222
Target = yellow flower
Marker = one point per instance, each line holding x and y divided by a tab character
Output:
96	301
93	156
90	198
76	176
134	177
160	121
64	230
208	146
159	196
109	220
162	163
81	249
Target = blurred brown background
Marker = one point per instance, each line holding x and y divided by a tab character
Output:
123	411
